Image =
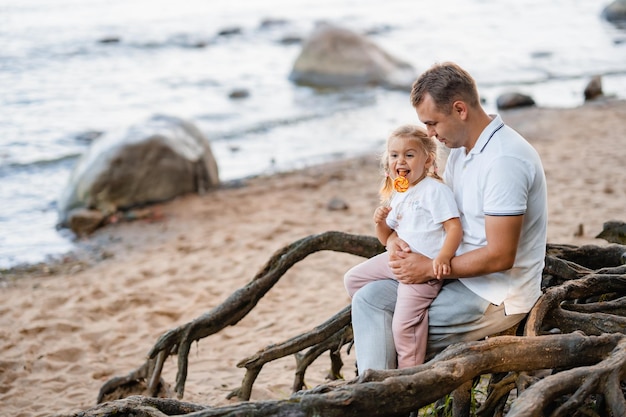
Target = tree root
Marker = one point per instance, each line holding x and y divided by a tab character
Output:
331	335
138	405
601	378
391	392
237	306
584	302
550	313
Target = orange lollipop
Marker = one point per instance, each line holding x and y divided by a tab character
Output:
401	184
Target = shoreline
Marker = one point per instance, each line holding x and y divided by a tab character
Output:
65	333
90	250
98	246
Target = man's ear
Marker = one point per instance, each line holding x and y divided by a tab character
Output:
460	108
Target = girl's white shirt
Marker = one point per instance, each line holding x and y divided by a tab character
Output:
417	215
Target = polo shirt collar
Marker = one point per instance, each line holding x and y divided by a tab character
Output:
486	135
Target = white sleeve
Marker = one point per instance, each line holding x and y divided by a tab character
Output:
506	186
442	205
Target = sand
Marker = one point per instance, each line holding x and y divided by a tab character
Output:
66	329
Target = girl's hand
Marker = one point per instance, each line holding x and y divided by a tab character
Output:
441	267
381	213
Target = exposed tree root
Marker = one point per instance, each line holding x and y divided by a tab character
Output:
571	359
579	383
178	341
392	392
329	336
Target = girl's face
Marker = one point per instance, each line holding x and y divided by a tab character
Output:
407	159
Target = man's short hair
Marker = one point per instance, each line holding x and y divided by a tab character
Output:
446	83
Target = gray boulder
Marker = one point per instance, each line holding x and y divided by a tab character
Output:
613	231
513	100
593	89
615	11
151	162
336	57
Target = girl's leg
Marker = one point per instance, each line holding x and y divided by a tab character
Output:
373	269
410	321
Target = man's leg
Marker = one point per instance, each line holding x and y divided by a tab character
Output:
459	315
372	314
456	315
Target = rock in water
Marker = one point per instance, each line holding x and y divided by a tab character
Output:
593	89
513	100
336	57
150	162
615	11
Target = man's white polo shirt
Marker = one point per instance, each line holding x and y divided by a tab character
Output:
502	176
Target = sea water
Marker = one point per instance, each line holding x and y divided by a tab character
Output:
71	70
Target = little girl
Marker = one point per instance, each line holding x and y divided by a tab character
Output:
423	213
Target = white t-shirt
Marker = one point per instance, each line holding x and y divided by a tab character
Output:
502	176
417	215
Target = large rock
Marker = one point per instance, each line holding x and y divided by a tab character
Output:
337	57
512	100
615	11
613	231
593	89
150	162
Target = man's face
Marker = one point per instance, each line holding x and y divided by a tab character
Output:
446	128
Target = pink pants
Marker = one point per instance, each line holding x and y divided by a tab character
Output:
410	320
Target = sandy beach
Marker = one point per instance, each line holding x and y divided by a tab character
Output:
66	329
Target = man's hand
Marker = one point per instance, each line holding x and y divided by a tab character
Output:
411	268
395	244
408	267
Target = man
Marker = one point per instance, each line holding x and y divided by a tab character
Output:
500	188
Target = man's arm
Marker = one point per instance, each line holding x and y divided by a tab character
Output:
503	233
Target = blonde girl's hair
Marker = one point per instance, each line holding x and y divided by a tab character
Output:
417	135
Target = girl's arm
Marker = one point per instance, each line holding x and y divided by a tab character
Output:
380	220
454	234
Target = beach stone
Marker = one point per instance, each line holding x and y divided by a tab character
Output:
110	39
290	39
337	57
337	204
150	162
271	22
593	89
615	11
83	221
239	93
613	231
513	100
229	31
